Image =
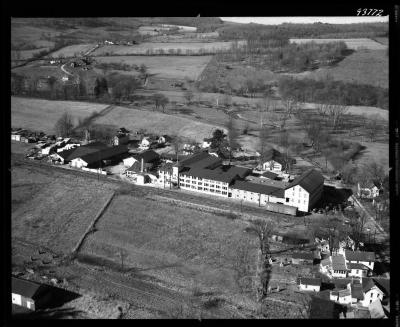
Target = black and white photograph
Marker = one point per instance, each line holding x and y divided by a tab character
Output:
200	167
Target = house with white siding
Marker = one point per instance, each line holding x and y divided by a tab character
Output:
305	190
371	292
309	284
363	257
357	270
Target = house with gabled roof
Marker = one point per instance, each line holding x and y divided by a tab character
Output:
363	257
371	291
97	158
357	270
305	190
302	257
309	284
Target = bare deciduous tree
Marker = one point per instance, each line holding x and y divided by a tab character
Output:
232	136
336	113
64	125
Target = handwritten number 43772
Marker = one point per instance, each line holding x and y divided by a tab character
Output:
369	12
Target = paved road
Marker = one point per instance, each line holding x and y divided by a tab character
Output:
371	224
64	70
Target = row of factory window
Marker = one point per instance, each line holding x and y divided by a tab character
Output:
205	189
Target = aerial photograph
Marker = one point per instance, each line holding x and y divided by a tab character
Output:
200	167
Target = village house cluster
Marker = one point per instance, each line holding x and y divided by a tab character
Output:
347	278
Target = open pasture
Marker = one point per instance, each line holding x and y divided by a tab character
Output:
72	50
363	66
355	44
41	115
157	48
172	67
180	246
52	209
157	122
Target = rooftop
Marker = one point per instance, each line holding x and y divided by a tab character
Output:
103	154
309	281
310	180
265	181
259	188
82	150
357	291
270	175
338	262
25	287
359	256
147	156
357	266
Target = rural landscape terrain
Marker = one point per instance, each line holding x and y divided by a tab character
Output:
115	124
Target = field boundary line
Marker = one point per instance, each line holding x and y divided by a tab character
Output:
91	225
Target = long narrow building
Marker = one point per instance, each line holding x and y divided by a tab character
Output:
206	174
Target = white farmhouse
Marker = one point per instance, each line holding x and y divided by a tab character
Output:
365	258
357	270
309	284
305	190
371	292
341	296
145	143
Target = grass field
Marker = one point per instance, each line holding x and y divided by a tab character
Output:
351	43
156	122
37	70
53	209
41	115
179	246
143	48
173	67
362	66
71	50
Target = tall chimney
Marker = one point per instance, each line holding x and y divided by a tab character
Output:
141	167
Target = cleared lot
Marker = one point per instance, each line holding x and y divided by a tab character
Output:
180	246
351	43
156	122
41	115
174	67
362	66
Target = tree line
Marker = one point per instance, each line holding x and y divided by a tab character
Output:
334	92
316	30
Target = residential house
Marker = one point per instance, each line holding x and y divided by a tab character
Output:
97	158
365	258
145	143
128	162
357	270
273	161
206	143
120	139
302	258
342	296
309	284
371	291
376	310
369	191
339	267
163	139
305	191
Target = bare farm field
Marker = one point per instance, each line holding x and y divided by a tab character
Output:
52	209
355	44
363	66
156	122
41	115
171	67
158	48
71	50
181	247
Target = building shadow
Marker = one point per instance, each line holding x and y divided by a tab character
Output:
66	313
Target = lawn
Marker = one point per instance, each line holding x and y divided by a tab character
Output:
52	209
173	67
145	47
157	122
351	43
41	115
362	66
180	246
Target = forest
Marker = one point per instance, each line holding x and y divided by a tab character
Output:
334	92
